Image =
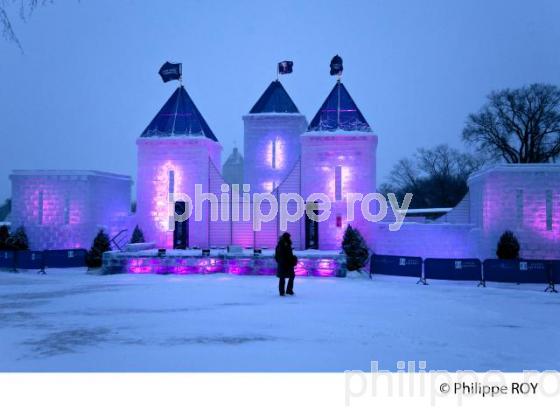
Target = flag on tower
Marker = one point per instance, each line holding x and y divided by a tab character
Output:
171	71
336	65
285	67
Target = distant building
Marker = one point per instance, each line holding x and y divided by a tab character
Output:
232	169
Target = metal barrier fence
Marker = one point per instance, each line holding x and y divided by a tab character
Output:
7	260
453	269
40	260
518	271
469	269
396	265
490	270
65	258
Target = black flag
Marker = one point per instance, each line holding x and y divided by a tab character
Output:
170	71
336	65
285	67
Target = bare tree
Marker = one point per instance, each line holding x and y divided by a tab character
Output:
520	125
24	9
436	177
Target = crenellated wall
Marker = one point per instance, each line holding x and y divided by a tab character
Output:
65	209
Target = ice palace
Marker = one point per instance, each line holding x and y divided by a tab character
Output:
335	154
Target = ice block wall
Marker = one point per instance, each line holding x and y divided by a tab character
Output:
65	209
172	165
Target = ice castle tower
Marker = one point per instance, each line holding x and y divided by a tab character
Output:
176	151
338	156
271	139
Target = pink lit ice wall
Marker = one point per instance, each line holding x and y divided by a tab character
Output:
172	164
338	163
524	198
426	240
64	209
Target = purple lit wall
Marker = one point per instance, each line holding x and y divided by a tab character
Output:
524	198
272	148
354	154
426	240
181	264
190	160
64	209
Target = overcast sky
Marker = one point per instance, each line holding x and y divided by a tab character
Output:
87	84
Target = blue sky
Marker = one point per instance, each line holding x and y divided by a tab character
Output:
87	84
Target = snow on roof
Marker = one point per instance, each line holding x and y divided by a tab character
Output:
179	116
514	168
425	211
275	99
339	132
67	173
339	112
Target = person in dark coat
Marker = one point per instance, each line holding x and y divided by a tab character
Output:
286	261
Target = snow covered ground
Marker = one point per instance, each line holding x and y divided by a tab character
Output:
71	321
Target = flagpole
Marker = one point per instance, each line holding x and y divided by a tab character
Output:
338	108
176	108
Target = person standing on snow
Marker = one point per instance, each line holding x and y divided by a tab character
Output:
286	261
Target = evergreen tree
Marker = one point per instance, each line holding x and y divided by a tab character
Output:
137	236
101	244
508	246
18	240
355	249
4	237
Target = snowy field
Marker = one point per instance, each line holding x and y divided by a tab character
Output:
71	321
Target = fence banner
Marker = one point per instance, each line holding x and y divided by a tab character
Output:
517	271
396	265
65	258
29	259
453	269
555	271
7	260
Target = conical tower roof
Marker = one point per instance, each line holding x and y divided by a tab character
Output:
275	99
178	117
339	112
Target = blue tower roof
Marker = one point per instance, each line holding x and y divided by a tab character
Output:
179	117
339	112
274	99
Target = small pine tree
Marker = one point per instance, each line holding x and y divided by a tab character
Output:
508	246
4	237
355	248
137	236
101	244
18	240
